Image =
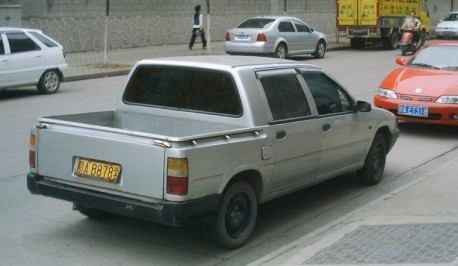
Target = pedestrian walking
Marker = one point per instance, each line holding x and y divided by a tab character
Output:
197	28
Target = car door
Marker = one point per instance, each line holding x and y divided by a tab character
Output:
344	131
289	34
306	40
294	131
26	59
4	65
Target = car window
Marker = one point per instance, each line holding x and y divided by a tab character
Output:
285	26
285	96
437	57
19	42
184	89
46	41
452	17
2	48
300	26
329	97
257	23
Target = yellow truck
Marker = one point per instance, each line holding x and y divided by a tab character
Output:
372	21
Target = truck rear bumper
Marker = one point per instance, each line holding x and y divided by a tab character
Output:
169	213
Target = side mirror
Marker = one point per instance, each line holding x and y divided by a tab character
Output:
363	106
312	29
401	61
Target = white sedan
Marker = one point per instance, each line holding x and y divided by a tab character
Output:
448	28
275	36
29	57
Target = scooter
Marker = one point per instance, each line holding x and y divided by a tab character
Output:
408	44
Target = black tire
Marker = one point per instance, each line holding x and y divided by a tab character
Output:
281	51
94	213
49	82
373	168
357	43
236	216
423	38
404	51
393	41
320	49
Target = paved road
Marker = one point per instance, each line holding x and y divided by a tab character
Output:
41	231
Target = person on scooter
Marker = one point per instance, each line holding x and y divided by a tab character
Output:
413	23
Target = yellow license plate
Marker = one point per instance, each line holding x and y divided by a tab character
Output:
105	171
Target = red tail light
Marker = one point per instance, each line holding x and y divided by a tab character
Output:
261	38
32	146
177	176
228	37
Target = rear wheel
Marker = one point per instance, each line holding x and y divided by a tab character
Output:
236	216
357	43
49	82
373	168
281	51
320	49
393	41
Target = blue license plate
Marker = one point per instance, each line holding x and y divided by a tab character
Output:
420	111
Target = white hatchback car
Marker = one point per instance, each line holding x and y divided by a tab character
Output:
29	57
448	28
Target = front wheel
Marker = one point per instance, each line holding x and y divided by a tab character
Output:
281	51
373	168
320	49
49	82
236	216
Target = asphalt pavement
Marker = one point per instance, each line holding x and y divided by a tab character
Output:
98	64
412	221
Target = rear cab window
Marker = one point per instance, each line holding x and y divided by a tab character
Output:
256	23
185	89
2	47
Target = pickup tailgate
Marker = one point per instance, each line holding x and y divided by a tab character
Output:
101	160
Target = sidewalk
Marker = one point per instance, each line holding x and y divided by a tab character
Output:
413	221
86	65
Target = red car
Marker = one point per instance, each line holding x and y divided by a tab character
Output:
424	89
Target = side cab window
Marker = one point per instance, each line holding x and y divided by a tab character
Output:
329	97
285	97
19	42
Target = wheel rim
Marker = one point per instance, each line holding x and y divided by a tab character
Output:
238	215
281	52
51	81
321	49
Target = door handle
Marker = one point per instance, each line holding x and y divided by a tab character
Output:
281	134
326	127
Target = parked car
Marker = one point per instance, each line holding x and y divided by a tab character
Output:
275	36
424	88
448	28
207	139
29	57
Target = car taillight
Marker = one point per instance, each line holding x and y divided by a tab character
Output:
32	151
228	37
177	176
261	38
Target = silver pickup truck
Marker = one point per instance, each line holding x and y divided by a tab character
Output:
209	138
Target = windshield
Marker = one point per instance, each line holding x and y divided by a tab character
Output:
452	17
257	23
440	57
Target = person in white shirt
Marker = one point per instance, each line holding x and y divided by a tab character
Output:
197	28
413	23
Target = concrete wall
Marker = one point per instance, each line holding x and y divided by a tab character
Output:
80	24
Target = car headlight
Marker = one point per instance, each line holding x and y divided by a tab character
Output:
387	93
452	99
